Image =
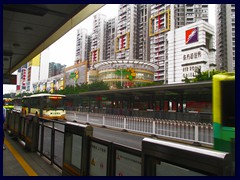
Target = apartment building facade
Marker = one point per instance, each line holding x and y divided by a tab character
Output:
27	74
111	38
190	48
166	17
139	33
21	79
225	36
55	69
82	46
98	42
126	39
143	41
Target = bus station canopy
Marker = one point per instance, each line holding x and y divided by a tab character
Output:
28	29
199	88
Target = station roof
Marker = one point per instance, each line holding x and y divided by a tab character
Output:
181	88
28	29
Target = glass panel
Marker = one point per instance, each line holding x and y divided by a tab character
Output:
47	142
76	150
127	164
39	137
98	159
166	169
58	149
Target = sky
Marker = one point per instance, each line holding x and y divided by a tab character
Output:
63	50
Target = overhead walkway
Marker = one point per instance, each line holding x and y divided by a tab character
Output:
17	161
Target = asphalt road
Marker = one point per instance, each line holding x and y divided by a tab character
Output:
124	138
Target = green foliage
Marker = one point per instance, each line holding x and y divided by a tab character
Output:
9	95
95	86
149	84
118	85
98	85
202	76
186	80
24	94
206	75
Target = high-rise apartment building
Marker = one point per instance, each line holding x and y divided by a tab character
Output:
21	79
111	38
82	46
44	64
55	69
158	26
33	68
190	48
189	13
126	39
166	17
98	51
140	33
143	43
28	74
225	37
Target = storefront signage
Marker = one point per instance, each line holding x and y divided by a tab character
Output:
191	35
23	78
192	56
74	75
129	73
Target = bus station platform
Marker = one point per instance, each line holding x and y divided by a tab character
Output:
17	161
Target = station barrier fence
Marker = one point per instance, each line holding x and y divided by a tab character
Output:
187	131
192	116
71	147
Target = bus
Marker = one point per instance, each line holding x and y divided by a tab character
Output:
49	106
17	105
8	103
224	112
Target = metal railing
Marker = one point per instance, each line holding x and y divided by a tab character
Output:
187	131
48	145
201	117
101	157
38	135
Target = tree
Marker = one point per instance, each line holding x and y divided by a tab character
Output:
118	85
205	76
9	95
98	85
84	87
186	80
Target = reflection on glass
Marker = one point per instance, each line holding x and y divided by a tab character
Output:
76	151
127	164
